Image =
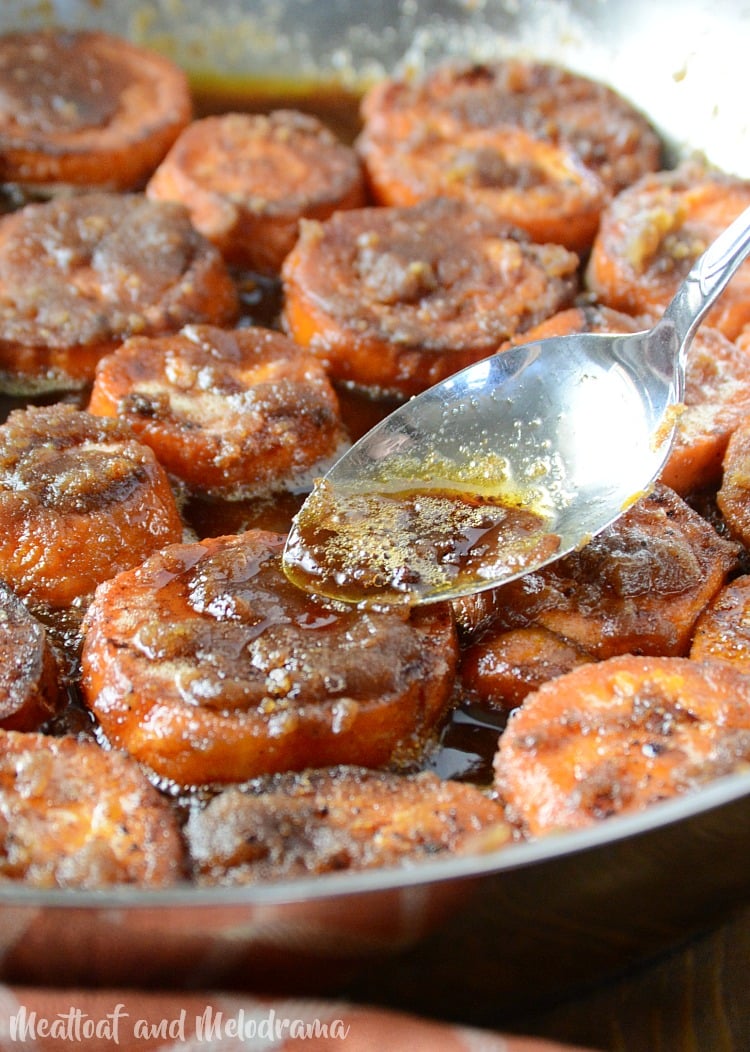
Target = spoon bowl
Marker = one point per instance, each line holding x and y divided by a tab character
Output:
539	447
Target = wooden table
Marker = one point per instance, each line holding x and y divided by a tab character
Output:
693	999
696	999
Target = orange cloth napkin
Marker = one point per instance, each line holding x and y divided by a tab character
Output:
45	1020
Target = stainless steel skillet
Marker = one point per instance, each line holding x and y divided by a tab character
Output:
547	916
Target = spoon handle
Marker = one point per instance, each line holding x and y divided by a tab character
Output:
708	277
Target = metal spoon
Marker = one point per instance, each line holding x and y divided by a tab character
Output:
508	464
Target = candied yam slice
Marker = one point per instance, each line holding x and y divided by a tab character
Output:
229	412
637	587
85	109
78	275
248	179
615	736
396	299
342	818
502	667
75	816
30	691
555	105
651	234
722	632
80	499
733	496
208	666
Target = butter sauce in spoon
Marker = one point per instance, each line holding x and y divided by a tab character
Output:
508	464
